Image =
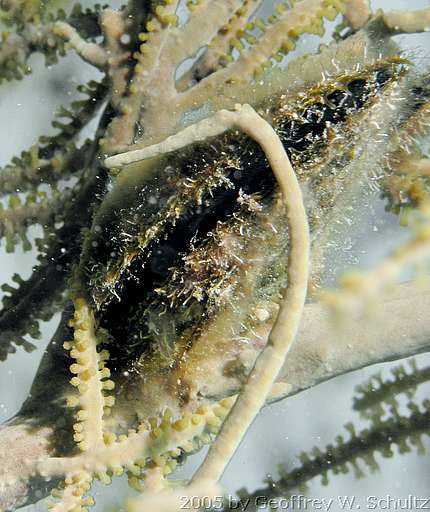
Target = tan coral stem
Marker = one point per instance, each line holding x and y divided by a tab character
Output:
408	22
90	52
357	13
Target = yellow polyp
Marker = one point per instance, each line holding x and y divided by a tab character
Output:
80	303
153	421
109	401
165	425
141	462
78	427
105	373
196	419
78	437
109	438
134	469
236	43
423	234
258	71
175	453
172	464
122	438
287	46
88	501
117	470
80	347
213	429
205	438
159	10
294	32
56	493
82	415
203	409
281	8
182	424
331	13
86	486
87	374
75	368
82	388
166	470
151	26
220	412
75	381
83	360
404	217
77	492
156	433
227	402
213	421
249	38
188	446
74	353
78	477
67	345
168	415
259	23
72	401
135	484
104	355
107	411
170	19
317	29
104	478
339	5
159	460
108	385
354	281
80	336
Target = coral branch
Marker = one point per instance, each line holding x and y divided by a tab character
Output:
164	47
359	450
56	157
321	352
37	209
378	390
360	289
89	373
218	51
357	13
115	28
408	22
90	52
15	49
305	16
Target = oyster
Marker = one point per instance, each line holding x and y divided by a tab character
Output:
189	251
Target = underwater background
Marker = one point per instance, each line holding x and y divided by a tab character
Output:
284	429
